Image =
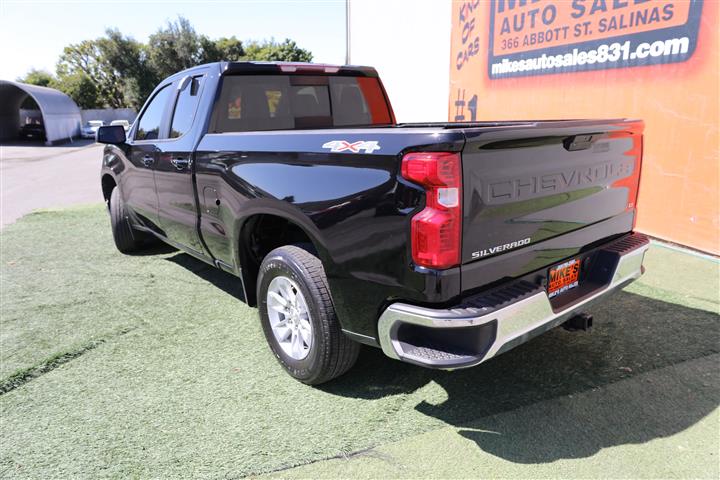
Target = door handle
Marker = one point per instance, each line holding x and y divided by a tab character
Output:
180	163
148	160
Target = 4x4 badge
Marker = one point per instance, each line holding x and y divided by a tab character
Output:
354	147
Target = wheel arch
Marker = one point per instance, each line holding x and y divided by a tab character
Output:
107	183
264	230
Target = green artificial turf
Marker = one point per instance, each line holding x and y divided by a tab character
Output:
634	428
151	366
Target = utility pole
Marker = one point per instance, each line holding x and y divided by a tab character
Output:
347	32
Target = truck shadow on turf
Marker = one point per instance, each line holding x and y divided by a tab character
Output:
633	335
222	280
155	248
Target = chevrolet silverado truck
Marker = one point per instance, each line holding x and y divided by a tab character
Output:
443	244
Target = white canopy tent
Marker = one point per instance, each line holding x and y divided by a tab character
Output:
61	116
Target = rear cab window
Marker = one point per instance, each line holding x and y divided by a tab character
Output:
187	102
288	102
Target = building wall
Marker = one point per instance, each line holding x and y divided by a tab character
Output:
408	42
675	94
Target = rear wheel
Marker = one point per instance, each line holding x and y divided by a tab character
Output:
298	317
126	238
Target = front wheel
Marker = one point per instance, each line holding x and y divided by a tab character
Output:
126	238
298	317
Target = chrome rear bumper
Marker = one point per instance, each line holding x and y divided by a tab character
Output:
508	316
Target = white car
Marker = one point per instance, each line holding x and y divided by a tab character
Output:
91	128
124	123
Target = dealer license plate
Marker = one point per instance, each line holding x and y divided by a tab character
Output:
563	277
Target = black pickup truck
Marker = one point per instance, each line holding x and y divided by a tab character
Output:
444	244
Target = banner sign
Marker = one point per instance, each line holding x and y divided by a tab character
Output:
538	37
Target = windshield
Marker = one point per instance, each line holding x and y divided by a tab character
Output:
286	102
94	123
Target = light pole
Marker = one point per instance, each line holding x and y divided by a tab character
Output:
347	32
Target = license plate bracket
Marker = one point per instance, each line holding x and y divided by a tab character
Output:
563	277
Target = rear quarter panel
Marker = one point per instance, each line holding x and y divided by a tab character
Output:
353	206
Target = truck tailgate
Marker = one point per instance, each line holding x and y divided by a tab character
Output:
527	184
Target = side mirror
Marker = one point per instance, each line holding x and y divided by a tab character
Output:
112	134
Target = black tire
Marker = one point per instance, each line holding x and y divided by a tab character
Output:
331	352
127	240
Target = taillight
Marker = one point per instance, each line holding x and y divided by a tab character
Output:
636	193
632	182
436	230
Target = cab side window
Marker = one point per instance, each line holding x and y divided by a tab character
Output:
185	107
149	124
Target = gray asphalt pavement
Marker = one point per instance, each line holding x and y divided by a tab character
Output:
34	176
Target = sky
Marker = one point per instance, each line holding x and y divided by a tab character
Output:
33	32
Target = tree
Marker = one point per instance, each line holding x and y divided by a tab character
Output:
80	88
271	51
174	48
37	77
127	60
87	59
230	49
117	71
117	65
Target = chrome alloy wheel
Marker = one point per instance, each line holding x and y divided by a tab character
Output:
289	317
